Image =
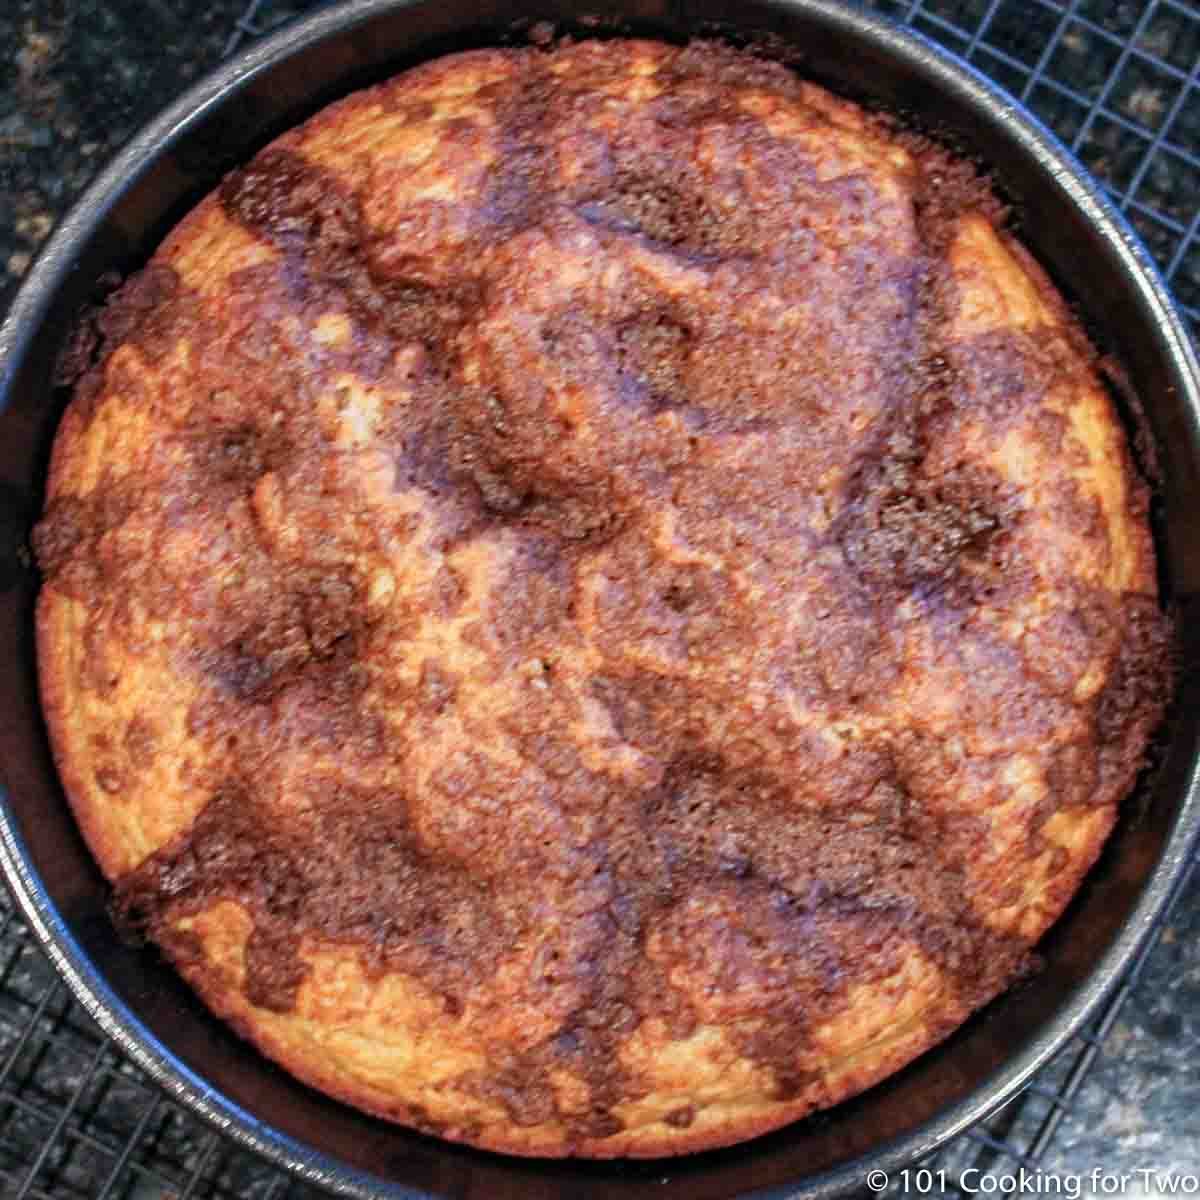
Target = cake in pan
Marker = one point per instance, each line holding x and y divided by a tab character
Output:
595	602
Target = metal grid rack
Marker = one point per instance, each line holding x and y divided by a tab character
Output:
1119	81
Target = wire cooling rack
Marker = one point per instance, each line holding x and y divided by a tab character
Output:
1119	81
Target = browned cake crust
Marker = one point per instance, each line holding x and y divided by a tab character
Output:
594	601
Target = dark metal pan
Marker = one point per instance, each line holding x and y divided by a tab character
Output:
140	1002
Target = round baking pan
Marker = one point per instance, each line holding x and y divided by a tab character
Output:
140	1002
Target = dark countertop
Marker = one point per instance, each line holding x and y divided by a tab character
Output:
78	77
84	74
1140	1105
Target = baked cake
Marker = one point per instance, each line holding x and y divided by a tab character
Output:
595	601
